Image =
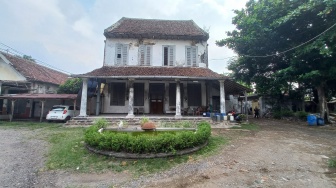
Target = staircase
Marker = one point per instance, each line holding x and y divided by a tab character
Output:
135	122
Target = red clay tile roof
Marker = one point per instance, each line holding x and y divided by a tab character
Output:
159	29
139	71
35	72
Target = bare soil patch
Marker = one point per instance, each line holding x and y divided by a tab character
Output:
281	154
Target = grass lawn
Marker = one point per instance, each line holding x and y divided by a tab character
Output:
67	151
248	126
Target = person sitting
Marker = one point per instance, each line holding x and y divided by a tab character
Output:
199	111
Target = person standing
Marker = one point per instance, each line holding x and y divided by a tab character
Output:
256	112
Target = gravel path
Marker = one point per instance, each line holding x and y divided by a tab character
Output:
281	154
21	158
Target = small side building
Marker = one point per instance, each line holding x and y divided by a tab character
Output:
22	76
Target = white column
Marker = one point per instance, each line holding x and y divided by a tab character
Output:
42	110
222	97
209	93
130	100
12	110
178	100
98	99
82	112
5	104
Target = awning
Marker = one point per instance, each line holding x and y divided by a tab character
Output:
38	96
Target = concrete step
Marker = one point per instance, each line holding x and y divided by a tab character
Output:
135	121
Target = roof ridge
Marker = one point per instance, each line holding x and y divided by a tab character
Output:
152	19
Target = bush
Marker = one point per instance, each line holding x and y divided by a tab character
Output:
287	113
282	113
277	115
101	123
143	143
301	115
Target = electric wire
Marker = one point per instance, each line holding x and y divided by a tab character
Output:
9	49
279	53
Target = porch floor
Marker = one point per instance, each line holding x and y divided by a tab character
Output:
137	116
114	119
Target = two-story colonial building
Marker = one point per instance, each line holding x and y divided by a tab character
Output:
157	67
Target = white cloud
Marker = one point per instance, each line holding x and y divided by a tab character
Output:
69	34
84	27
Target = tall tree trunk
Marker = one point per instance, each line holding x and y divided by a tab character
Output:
303	107
322	100
327	111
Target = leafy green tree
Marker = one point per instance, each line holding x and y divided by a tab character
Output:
28	57
285	44
71	86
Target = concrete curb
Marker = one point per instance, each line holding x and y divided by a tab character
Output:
146	155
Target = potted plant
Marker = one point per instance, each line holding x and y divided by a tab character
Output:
146	124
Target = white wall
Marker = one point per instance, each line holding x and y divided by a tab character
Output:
157	50
7	72
39	87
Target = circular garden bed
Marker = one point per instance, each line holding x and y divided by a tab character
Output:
125	145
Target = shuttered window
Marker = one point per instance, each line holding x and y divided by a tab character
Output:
117	94
194	95
121	56
168	55
139	94
145	55
191	56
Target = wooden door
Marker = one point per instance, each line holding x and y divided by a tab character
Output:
156	98
156	104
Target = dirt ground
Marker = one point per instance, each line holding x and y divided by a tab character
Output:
280	154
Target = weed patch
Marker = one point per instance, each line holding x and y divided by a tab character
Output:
332	163
248	126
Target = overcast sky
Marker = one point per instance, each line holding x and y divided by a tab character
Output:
68	34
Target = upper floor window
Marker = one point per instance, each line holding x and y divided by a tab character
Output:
121	56
191	56
168	55
145	55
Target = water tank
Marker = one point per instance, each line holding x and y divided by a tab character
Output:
312	120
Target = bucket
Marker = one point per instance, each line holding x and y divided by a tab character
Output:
311	119
231	118
320	121
225	118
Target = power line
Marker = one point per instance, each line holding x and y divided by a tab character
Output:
276	54
223	58
36	60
